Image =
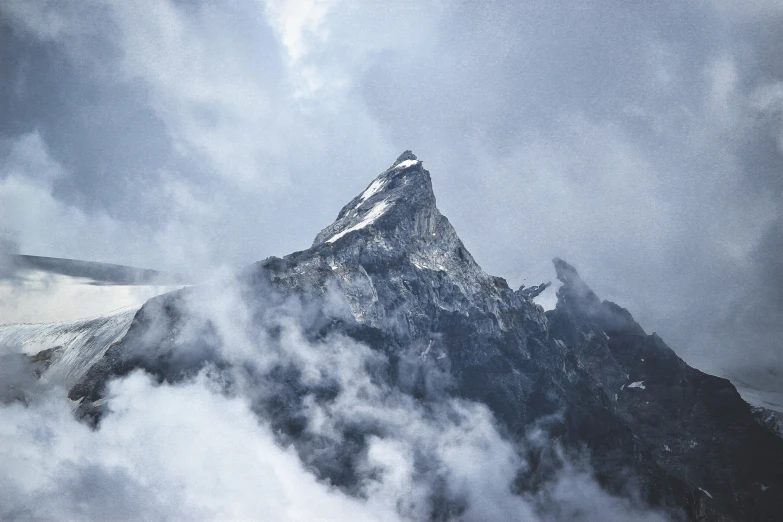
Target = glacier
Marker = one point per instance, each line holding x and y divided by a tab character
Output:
67	349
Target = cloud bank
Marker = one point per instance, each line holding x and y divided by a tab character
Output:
215	441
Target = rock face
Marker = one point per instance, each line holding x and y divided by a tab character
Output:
392	273
692	429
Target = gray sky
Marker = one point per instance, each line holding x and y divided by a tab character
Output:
641	141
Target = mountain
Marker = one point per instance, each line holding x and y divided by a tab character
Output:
64	351
400	314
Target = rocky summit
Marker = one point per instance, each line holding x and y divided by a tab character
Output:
392	275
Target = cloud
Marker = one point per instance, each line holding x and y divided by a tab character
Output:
767	100
195	133
212	460
30	211
255	418
641	142
753	10
35	296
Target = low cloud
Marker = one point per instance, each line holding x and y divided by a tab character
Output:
165	452
265	421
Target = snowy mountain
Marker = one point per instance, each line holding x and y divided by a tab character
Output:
375	353
64	351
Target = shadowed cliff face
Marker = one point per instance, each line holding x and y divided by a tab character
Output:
391	276
691	425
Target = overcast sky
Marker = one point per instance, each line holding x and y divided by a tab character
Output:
641	141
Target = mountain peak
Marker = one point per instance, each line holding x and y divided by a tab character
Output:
405	156
395	222
400	193
573	284
574	293
580	299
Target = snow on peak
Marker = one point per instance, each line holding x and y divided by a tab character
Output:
379	183
405	164
375	212
375	187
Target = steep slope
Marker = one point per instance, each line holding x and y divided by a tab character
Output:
64	351
391	273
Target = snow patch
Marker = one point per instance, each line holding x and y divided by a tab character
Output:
638	384
705	492
369	218
425	352
375	187
666	447
405	164
422	265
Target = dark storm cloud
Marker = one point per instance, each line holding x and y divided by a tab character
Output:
640	142
109	141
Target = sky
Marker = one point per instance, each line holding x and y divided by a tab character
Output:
640	141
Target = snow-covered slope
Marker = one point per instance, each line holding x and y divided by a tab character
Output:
67	349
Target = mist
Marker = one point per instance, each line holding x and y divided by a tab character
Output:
199	433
